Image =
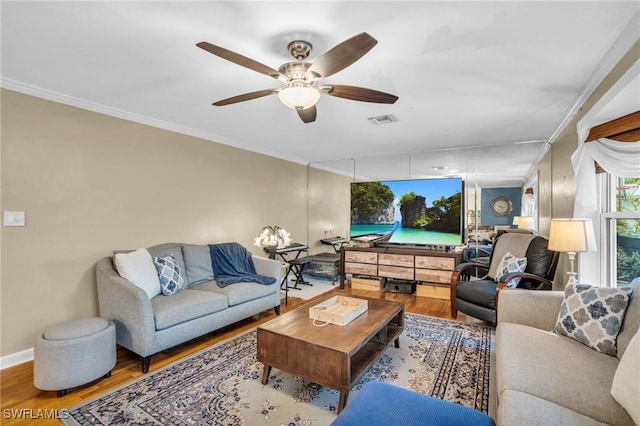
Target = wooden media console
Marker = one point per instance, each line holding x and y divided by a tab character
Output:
431	269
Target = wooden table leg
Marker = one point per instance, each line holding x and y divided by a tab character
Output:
397	342
343	400
265	374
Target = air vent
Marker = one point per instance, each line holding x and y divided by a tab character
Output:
382	119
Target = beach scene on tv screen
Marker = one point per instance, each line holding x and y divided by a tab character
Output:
423	211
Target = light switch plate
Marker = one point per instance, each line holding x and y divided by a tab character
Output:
13	219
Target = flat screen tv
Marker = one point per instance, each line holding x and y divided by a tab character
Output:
412	212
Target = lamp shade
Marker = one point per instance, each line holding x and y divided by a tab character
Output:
516	220
299	97
572	235
526	222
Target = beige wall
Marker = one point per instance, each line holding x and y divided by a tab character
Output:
555	199
329	201
91	183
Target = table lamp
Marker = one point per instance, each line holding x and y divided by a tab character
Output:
273	237
525	222
516	221
572	236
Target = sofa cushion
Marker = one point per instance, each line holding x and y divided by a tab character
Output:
593	315
239	292
631	323
508	264
480	292
170	248
626	382
558	369
197	261
137	267
184	306
521	409
169	274
76	328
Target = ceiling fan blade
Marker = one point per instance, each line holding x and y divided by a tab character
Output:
245	97
359	94
341	56
308	115
241	60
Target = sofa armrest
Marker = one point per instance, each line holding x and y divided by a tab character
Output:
537	309
268	267
128	306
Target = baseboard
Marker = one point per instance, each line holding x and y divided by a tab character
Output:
16	358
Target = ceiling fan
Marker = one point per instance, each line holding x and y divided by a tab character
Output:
301	92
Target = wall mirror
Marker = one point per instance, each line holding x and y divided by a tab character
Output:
490	174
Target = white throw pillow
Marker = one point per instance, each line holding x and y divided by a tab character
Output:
626	382
138	268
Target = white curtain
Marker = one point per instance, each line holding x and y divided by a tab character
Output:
617	158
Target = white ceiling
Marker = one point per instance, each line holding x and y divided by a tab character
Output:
489	75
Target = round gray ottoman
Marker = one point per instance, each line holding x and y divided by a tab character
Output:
74	353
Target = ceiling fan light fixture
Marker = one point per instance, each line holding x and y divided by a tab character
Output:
300	77
299	96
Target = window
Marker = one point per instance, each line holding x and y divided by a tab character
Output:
620	228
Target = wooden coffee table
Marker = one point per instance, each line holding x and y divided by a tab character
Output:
334	356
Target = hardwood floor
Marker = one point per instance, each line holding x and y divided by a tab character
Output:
21	402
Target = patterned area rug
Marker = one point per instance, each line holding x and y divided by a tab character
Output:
221	385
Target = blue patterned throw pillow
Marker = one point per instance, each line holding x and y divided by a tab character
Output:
169	274
508	264
593	315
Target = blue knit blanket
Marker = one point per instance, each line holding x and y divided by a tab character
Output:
232	263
